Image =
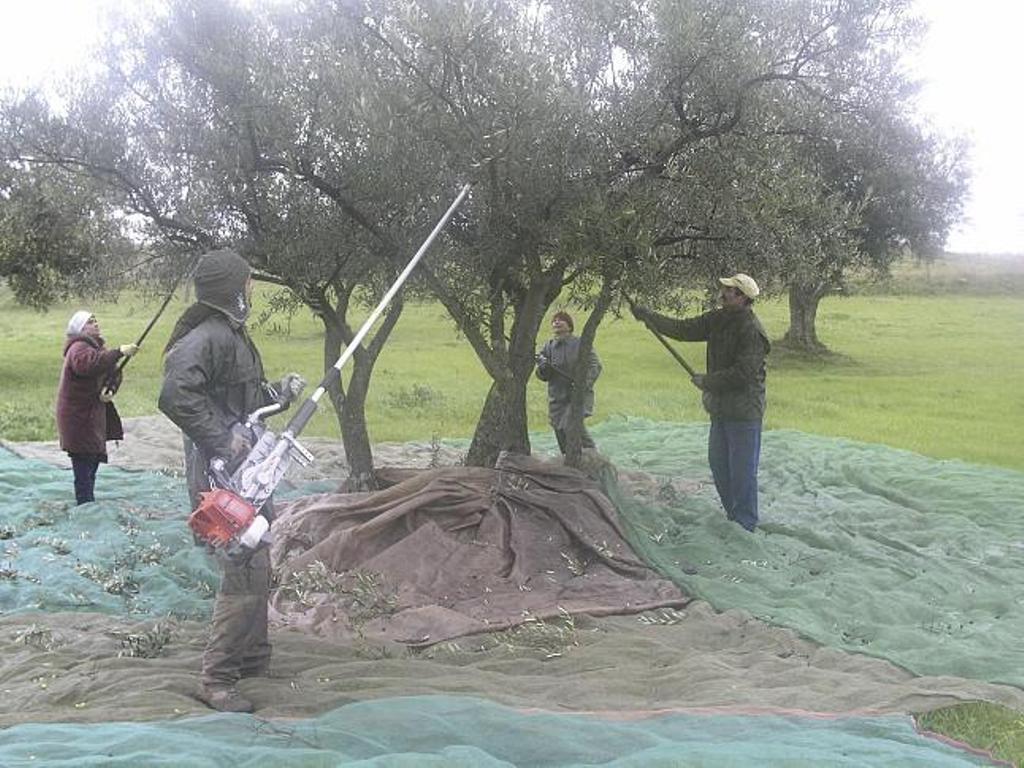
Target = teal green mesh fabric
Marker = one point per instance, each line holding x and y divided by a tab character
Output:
862	547
128	553
459	731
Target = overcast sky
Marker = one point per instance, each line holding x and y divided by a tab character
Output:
971	62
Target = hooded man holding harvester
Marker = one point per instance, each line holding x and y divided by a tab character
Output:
213	379
733	388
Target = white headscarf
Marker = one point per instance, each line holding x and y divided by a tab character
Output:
78	321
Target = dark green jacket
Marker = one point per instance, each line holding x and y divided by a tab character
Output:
213	378
734	387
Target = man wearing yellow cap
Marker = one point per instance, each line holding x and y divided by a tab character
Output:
733	389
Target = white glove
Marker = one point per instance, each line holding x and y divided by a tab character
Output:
290	387
106	395
128	349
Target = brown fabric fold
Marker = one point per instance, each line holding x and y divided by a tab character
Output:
456	551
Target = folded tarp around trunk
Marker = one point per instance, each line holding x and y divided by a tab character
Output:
456	551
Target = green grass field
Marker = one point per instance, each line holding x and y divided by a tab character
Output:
938	374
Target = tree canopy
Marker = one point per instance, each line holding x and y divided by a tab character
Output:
615	147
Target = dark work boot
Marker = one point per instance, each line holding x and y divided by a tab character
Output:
224	699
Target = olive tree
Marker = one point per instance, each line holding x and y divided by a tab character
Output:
817	166
55	239
214	125
615	147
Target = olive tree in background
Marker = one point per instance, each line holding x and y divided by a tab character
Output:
615	147
215	126
817	167
55	239
905	188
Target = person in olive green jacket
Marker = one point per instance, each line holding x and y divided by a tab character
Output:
733	389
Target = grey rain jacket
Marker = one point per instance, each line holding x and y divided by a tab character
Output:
562	355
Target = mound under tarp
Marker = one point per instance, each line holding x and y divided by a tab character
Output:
460	550
104	605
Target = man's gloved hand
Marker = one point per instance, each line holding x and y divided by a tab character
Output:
290	388
106	395
698	380
240	444
128	349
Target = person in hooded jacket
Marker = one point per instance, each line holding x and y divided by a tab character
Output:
86	417
213	379
556	362
733	389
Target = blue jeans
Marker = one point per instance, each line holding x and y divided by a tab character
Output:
734	449
84	466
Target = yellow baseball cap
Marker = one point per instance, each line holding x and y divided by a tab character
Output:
743	283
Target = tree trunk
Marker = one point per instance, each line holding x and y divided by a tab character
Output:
803	312
502	424
350	412
354	434
350	407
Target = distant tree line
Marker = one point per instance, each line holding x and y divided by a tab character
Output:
615	147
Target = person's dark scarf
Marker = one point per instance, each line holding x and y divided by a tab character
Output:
190	319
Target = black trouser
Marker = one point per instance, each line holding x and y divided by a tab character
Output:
238	645
84	466
562	436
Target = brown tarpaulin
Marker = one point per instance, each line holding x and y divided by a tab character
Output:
456	551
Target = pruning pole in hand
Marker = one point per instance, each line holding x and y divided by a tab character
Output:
664	343
113	382
672	351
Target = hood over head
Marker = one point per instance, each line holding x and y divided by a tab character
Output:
220	280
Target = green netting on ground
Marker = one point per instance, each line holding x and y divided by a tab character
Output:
862	547
460	731
128	553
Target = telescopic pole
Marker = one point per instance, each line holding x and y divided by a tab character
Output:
308	408
664	343
672	351
167	300
112	380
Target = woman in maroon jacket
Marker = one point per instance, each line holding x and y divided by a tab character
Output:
86	416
